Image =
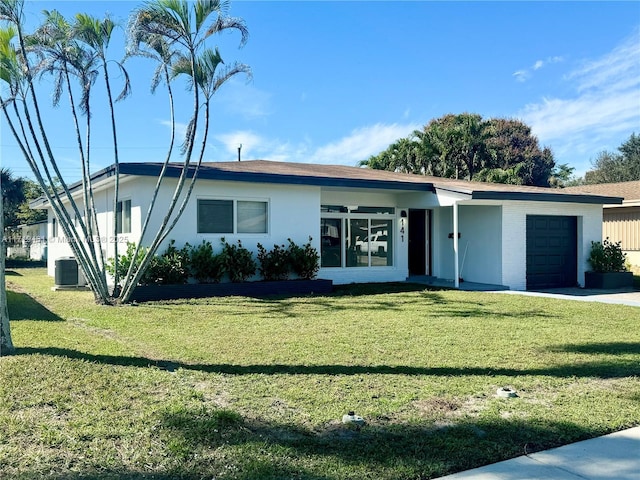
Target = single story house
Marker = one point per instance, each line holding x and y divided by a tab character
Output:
368	225
620	222
33	242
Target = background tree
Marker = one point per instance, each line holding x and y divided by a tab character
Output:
13	196
467	147
609	167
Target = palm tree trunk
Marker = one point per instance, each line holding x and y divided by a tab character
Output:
6	344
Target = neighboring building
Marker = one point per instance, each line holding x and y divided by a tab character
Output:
368	225
33	242
620	222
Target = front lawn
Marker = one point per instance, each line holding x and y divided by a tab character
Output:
244	388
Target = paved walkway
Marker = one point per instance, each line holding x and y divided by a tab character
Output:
624	296
612	457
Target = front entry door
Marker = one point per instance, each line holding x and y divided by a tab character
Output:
419	249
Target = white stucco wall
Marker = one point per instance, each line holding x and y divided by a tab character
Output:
480	236
514	231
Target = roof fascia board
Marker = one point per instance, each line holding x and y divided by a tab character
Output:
546	197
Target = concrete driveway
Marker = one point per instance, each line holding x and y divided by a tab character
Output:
624	296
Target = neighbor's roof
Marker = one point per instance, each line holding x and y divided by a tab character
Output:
629	191
265	171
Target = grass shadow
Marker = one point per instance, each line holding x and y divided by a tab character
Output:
12	273
424	449
619	368
24	307
609	348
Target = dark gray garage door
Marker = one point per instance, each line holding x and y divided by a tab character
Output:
552	243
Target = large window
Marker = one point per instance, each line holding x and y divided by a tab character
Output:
232	216
356	236
123	214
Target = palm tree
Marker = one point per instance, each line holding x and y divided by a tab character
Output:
6	343
96	34
175	32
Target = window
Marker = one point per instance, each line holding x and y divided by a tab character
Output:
215	216
221	216
356	236
252	217
123	215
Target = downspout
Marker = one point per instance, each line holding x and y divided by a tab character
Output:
456	266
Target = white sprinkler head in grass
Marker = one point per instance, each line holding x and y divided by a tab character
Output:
506	392
352	418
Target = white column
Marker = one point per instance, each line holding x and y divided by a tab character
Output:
456	267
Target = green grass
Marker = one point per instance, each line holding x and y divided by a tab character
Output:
244	388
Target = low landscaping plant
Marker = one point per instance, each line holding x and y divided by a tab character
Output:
304	260
274	263
607	257
205	265
202	264
238	261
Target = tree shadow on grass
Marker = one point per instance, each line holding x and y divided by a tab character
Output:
615	368
24	307
205	442
609	348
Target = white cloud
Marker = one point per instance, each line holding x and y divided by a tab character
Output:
521	75
240	98
603	110
360	144
524	74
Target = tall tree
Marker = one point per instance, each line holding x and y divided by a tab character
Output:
77	50
12	196
467	147
609	167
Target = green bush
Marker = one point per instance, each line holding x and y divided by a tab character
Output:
238	261
205	265
304	261
170	268
125	260
275	263
607	257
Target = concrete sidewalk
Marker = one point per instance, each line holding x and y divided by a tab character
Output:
624	296
612	457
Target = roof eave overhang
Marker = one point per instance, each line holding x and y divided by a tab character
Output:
546	197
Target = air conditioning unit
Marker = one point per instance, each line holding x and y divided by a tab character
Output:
67	273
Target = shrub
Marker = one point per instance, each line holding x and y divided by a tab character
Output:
274	264
304	261
125	260
238	261
171	267
607	257
205	265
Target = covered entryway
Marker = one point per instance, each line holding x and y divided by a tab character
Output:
552	258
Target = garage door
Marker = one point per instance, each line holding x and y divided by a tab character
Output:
551	251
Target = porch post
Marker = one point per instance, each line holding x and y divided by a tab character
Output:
456	267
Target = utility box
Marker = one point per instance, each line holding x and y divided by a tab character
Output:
66	272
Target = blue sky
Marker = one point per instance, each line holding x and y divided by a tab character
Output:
335	82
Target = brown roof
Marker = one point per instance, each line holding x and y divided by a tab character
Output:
266	171
630	191
482	189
